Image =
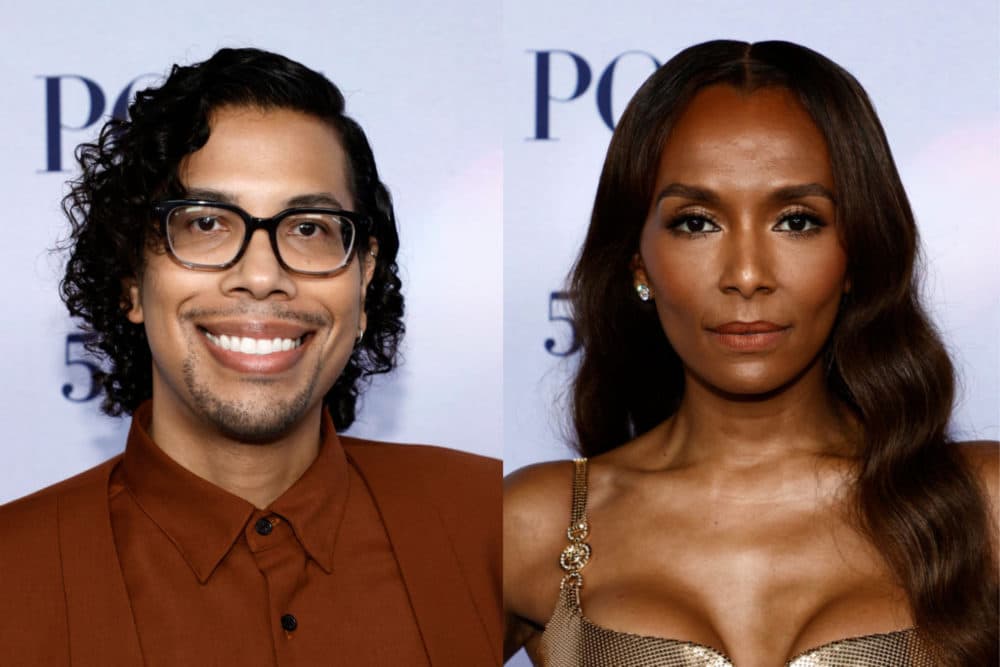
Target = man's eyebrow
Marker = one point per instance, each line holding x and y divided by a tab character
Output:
707	196
318	199
323	199
206	194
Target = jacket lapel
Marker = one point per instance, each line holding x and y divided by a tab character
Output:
445	611
101	627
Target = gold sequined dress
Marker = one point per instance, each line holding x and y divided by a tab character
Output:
572	640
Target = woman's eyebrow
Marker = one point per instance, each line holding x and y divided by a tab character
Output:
687	192
709	196
801	191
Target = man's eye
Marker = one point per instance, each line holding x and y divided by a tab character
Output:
693	224
309	229
206	224
306	229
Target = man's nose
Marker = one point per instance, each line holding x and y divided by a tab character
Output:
259	273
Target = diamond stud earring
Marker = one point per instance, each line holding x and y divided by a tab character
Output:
645	294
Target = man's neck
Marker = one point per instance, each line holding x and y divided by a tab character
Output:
258	472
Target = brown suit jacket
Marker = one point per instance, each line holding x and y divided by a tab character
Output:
64	601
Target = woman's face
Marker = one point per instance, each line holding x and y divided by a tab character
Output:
740	246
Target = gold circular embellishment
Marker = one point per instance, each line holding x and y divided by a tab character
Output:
578	532
574	557
574	579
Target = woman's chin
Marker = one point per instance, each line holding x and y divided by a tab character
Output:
747	387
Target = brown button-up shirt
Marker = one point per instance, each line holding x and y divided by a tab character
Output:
311	580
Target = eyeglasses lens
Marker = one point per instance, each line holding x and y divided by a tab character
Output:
310	242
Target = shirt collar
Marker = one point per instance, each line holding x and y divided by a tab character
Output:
204	521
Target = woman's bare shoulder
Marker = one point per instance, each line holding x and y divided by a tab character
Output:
983	458
536	513
536	507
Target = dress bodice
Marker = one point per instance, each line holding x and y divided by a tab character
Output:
570	639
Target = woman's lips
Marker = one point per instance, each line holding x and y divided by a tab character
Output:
757	336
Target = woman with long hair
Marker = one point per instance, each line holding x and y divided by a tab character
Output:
761	404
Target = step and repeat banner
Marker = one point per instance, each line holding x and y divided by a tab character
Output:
489	121
421	79
932	71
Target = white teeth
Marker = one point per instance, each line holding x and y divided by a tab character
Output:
253	345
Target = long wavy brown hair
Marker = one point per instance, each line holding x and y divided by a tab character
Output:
916	499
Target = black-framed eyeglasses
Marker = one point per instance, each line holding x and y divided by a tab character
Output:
212	235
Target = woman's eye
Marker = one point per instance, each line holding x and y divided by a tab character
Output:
693	224
798	223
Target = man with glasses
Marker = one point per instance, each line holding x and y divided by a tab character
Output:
234	251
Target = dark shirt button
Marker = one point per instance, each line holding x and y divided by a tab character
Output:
263	526
289	623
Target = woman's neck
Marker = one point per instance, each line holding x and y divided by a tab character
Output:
802	418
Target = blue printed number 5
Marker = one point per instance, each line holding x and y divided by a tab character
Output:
550	343
80	340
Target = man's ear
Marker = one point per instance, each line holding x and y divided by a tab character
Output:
368	262
131	301
368	266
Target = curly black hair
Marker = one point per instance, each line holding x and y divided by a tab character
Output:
134	162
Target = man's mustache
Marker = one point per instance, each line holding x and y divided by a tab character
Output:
271	312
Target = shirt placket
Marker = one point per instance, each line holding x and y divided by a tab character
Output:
281	560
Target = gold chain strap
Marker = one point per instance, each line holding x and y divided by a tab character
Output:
576	555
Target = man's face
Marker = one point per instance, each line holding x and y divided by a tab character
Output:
263	161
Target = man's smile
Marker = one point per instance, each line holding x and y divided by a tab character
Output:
259	346
256	347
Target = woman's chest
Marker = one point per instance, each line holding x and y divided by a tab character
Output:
759	585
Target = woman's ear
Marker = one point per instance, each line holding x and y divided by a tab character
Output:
640	281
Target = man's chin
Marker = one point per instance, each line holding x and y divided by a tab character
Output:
253	429
256	422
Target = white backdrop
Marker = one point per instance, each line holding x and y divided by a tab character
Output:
447	92
932	70
932	73
421	80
